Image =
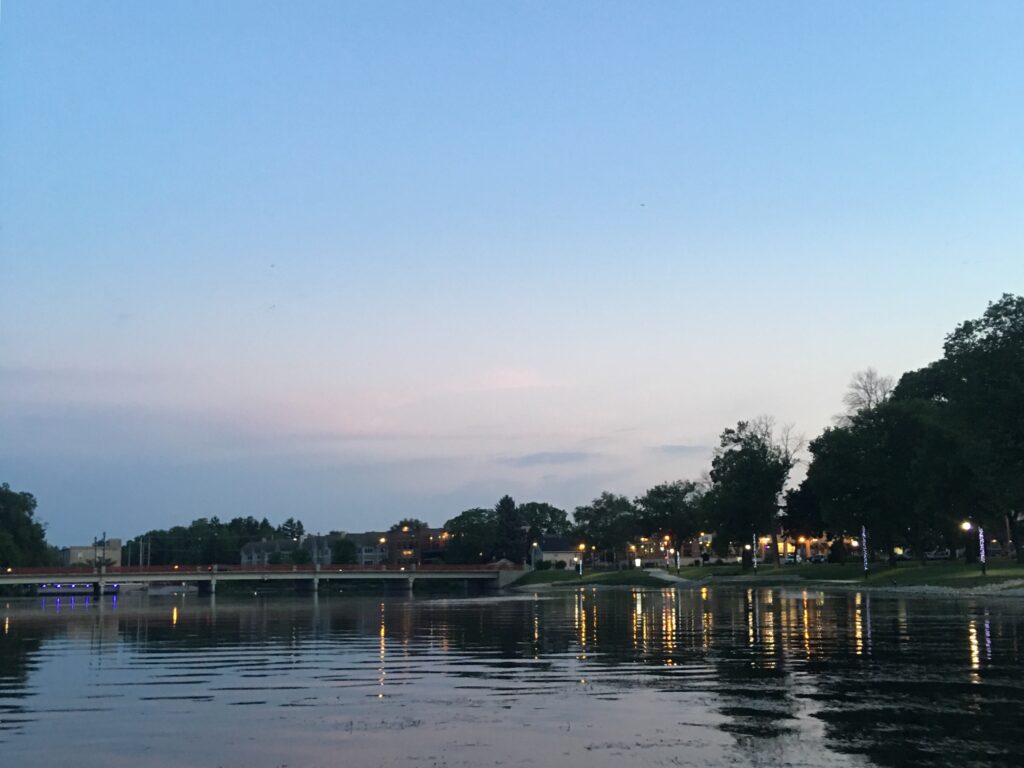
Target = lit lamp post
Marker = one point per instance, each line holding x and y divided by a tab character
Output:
583	548
533	554
966	526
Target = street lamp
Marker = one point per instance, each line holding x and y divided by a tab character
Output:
966	526
533	554
583	548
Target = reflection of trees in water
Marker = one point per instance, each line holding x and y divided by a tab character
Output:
19	653
928	689
898	681
750	656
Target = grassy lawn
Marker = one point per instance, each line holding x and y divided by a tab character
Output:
937	573
631	578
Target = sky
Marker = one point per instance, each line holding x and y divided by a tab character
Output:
351	262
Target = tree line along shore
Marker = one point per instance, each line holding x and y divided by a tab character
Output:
912	467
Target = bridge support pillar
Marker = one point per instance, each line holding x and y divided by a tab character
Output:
410	581
208	587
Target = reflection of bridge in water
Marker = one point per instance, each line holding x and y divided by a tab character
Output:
206	577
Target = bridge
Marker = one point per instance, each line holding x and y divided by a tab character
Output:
206	577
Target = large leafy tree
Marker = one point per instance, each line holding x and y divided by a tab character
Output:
205	540
344	551
471	536
22	536
802	515
291	529
608	523
673	508
978	386
542	519
511	530
749	470
894	468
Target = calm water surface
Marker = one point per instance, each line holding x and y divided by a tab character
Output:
590	678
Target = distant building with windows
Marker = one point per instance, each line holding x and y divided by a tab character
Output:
91	554
403	546
318	549
554	548
371	547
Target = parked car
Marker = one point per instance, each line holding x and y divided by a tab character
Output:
819	558
937	554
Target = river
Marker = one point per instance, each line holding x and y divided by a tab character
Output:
613	677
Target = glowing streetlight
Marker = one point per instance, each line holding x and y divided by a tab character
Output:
966	526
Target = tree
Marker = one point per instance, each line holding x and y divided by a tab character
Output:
291	529
607	523
802	516
978	386
511	530
749	470
22	536
674	508
409	525
205	541
543	519
300	555
867	389
895	469
343	551
471	536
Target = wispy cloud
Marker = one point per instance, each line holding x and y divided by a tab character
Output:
547	458
681	449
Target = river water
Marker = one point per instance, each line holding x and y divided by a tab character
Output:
614	677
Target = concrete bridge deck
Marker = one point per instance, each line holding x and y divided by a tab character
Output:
209	575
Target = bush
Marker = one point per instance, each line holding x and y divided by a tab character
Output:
560	565
837	552
544	565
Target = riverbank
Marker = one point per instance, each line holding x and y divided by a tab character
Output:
951	575
567	578
1003	577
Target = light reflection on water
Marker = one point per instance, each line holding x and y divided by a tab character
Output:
590	677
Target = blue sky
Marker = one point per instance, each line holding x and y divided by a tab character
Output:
356	261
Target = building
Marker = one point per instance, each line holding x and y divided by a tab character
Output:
371	547
106	551
554	548
402	546
281	551
409	546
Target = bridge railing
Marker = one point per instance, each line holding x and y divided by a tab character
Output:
171	570
71	570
